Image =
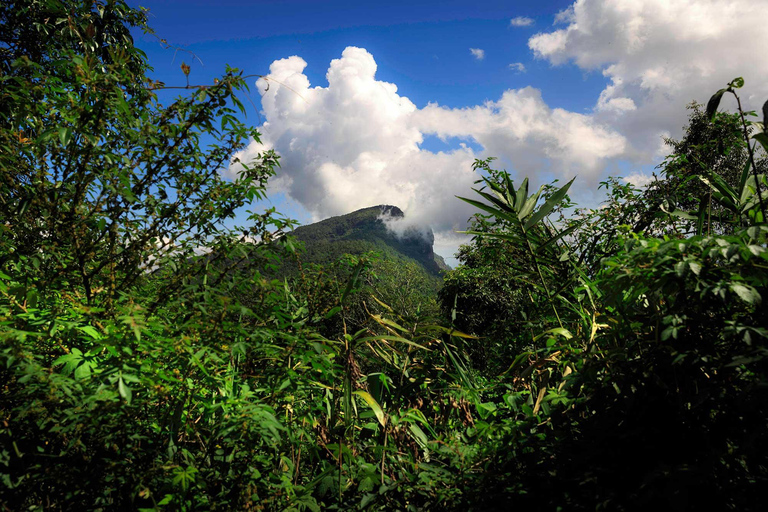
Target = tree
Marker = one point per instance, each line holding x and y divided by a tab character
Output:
100	179
711	157
117	275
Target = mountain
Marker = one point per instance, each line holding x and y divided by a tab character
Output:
377	228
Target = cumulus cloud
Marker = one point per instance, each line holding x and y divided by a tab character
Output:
521	21
357	142
477	53
659	55
638	179
518	67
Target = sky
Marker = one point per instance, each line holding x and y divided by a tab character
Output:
391	102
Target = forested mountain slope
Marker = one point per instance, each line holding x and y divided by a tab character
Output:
365	230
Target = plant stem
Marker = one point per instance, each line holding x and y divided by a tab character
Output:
541	276
751	155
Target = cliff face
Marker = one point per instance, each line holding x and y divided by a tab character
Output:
380	228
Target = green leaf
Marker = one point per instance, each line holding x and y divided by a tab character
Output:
762	138
746	293
550	205
713	103
683	215
65	135
90	331
522	195
557	237
124	390
419	436
530	204
393	338
352	281
388	323
83	371
374	405
502	204
743	189
493	211
332	312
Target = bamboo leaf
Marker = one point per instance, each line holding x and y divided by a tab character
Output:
510	192
502	204
702	214
489	209
388	323
393	338
721	194
453	332
556	237
530	204
374	405
352	281
522	195
743	191
550	205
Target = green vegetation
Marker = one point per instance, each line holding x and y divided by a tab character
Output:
362	231
607	359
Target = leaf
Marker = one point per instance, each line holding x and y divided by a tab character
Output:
550	205
557	237
90	331
493	211
713	103
454	332
124	391
705	206
83	371
65	135
743	189
332	312
530	204
765	116
746	293
388	323
374	405
367	499
762	138
393	338
419	436
683	215
737	83
502	204
522	195
352	281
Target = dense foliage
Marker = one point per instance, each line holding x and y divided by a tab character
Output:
613	358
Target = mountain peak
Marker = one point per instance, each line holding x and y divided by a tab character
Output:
379	228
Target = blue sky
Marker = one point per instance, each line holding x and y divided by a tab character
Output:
390	102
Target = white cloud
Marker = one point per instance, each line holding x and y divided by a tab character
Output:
358	143
638	179
521	21
477	53
658	56
517	66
